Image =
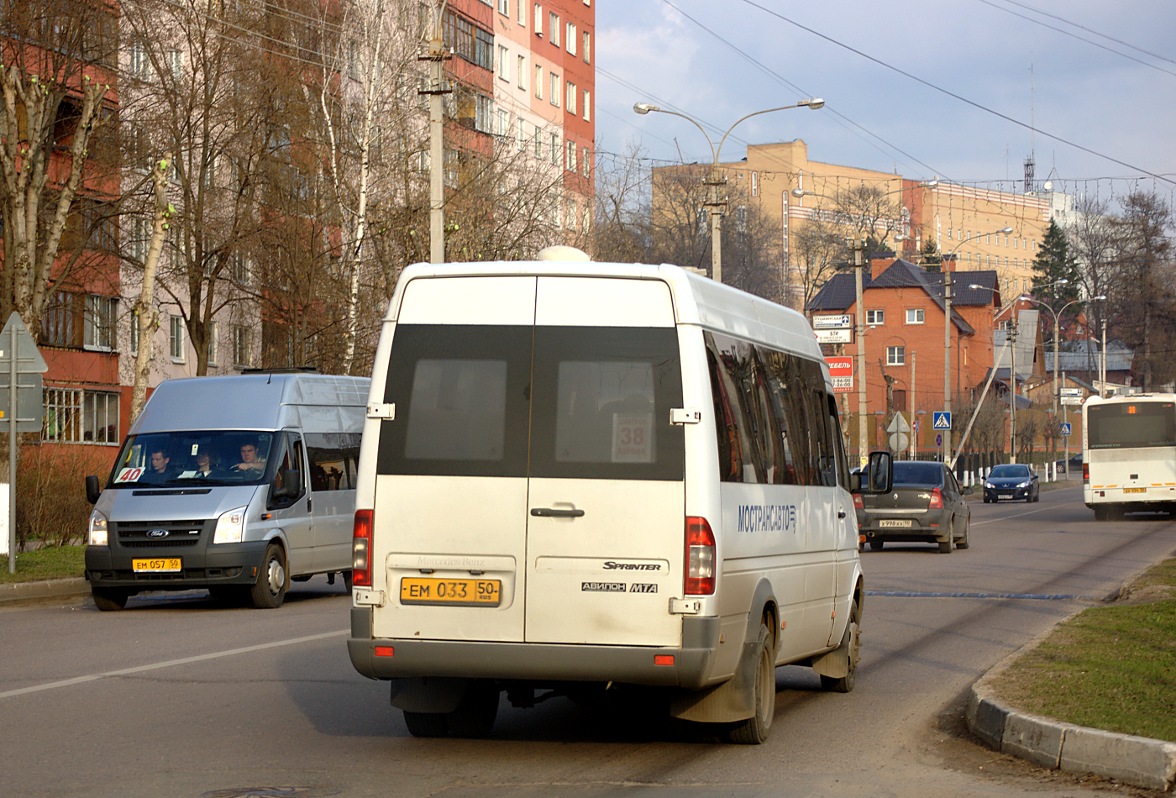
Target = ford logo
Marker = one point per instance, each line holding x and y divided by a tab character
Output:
157	533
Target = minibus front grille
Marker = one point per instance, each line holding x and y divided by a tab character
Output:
162	534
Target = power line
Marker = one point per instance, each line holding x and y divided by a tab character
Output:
954	95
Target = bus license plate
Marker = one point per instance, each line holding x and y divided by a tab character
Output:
1135	490
895	522
451	592
165	565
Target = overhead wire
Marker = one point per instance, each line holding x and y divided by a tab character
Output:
954	95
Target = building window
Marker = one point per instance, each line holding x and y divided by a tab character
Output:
213	342
242	353
175	338
571	97
587	106
571	159
133	333
570	37
553	25
101	322
522	70
554	137
538	19
587	160
554	94
240	270
875	317
76	416
914	316
503	63
504	7
587	47
896	355
539	81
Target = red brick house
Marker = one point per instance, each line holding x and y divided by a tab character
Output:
904	341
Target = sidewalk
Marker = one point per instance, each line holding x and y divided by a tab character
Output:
1138	761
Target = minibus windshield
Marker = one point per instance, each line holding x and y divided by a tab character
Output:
200	457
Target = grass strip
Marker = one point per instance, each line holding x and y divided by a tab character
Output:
48	562
1110	667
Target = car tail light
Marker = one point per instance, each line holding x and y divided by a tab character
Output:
361	549
858	504
700	558
936	500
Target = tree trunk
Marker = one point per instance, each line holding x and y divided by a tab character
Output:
145	307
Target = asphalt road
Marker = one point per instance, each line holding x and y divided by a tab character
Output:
177	697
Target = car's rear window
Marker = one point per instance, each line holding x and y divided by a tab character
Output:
912	473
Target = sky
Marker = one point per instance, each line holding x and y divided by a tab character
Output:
958	90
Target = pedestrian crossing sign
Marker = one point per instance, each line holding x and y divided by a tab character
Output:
941	419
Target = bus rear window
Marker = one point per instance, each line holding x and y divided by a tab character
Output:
1130	425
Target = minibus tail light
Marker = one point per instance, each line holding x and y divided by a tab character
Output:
700	558
361	549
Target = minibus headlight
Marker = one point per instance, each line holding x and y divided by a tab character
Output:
230	526
97	533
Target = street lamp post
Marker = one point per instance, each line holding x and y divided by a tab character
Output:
715	180
859	266
1057	315
947	285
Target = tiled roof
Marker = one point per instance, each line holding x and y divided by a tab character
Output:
839	292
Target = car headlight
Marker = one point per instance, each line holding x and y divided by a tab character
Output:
989	485
1024	484
97	534
230	526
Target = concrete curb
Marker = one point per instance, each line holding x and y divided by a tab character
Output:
1139	761
50	588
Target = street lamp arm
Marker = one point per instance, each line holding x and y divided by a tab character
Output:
812	103
645	108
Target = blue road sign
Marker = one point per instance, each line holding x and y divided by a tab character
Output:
1066	429
941	419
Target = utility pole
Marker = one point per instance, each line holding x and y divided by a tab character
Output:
859	247
914	422
947	354
1012	334
437	87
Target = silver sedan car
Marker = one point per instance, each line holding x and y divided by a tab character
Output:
926	505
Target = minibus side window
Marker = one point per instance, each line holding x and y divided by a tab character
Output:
728	360
333	459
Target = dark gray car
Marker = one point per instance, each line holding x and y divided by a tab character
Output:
926	505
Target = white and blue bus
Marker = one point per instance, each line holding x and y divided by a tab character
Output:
1129	454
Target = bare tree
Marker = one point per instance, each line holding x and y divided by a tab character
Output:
818	249
1146	307
621	232
208	83
53	87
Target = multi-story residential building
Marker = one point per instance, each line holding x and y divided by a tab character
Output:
76	329
544	93
959	220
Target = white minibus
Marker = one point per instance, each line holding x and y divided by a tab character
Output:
236	484
587	477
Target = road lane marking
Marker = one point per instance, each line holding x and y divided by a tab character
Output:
974	522
93	677
951	594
